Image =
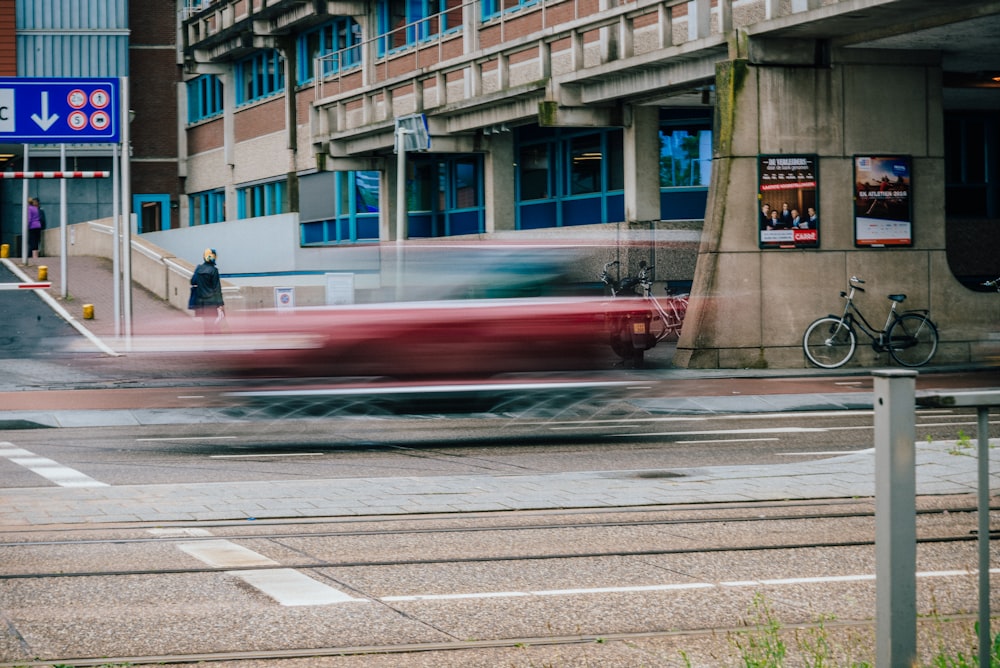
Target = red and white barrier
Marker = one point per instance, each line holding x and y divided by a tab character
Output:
25	286
54	175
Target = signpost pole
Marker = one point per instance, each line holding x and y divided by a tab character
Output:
116	240
24	212
126	211
62	223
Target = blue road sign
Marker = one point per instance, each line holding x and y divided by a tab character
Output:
59	111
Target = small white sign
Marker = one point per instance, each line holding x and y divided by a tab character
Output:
339	288
284	298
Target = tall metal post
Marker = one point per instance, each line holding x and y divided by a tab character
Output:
63	248
983	494
401	212
116	240
895	519
126	212
24	212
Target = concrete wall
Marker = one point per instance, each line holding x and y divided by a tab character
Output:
750	307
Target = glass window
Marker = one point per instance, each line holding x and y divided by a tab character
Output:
259	76
336	43
534	171
207	207
685	157
585	158
264	199
204	97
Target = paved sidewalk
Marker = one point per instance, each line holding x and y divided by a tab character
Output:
940	470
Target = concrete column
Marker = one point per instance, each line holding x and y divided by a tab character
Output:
641	150
749	307
387	201
498	183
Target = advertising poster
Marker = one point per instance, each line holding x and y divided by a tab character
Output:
787	216
882	205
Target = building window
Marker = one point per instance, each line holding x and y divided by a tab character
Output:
262	199
336	43
493	8
569	177
444	196
259	76
355	198
204	96
405	22
685	157
207	207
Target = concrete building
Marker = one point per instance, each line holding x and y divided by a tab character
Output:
600	122
67	39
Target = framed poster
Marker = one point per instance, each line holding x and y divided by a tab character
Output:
786	201
882	203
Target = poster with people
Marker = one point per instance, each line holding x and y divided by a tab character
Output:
882	205
787	201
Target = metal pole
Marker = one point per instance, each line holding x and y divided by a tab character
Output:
116	236
63	249
895	519
983	512
126	213
400	207
24	212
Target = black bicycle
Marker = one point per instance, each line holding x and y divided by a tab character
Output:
909	337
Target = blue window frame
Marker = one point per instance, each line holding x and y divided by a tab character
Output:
259	76
406	22
261	199
204	96
356	212
444	196
569	177
493	8
336	42
207	207
685	163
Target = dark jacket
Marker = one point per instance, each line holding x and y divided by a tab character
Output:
209	286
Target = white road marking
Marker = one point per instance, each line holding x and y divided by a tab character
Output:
47	468
772	430
268	454
704	418
671	587
187	438
824	453
732	440
285	585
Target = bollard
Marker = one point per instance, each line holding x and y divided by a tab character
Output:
43	272
4	250
895	519
88	311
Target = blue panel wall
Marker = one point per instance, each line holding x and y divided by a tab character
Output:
72	38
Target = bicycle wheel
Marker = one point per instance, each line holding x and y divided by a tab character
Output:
913	339
829	342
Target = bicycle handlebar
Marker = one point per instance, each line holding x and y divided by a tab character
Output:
995	283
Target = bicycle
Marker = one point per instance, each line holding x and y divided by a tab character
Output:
630	337
995	283
909	337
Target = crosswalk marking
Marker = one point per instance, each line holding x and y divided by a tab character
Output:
287	586
47	468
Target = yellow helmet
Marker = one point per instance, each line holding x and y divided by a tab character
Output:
209	255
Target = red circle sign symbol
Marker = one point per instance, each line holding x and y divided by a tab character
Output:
76	99
99	98
99	120
77	120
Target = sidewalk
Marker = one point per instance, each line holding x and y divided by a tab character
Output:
90	280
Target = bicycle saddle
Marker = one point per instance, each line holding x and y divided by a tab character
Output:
898	298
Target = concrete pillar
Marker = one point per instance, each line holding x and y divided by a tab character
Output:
387	201
498	183
641	150
749	307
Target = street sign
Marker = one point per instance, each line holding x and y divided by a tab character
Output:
59	111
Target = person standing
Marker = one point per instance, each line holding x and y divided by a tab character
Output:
206	297
36	223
